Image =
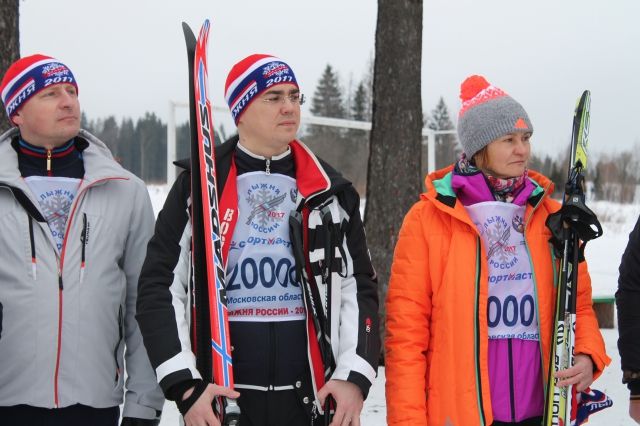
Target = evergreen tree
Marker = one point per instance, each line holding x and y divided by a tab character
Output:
109	135
152	143
327	99
86	124
447	148
359	110
183	139
355	143
129	155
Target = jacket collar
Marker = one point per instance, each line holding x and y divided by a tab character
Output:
441	193
316	179
473	188
99	164
98	160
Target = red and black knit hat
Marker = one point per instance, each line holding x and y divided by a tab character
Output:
487	113
27	76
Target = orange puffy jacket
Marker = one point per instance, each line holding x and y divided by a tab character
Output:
436	329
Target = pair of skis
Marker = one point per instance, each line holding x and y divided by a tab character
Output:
211	326
574	223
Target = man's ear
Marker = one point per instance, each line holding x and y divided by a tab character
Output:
17	119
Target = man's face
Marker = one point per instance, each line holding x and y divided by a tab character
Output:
51	117
268	125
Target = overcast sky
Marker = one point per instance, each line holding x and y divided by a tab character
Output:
129	56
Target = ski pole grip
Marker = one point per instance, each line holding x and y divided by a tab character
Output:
231	412
227	411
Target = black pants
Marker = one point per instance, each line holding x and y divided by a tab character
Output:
74	415
273	408
533	421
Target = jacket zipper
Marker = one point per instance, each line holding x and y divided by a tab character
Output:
535	288
33	248
83	240
268	170
477	332
60	271
48	162
115	351
512	393
60	288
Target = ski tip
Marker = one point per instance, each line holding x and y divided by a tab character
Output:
189	37
586	95
204	32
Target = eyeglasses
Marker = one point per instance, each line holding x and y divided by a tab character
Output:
279	99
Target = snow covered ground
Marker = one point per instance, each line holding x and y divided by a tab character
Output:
603	256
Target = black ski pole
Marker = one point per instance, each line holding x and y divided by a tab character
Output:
329	253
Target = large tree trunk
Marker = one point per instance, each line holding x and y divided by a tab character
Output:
393	179
9	45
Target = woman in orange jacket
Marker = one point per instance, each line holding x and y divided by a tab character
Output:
472	293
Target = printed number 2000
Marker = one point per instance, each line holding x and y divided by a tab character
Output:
267	273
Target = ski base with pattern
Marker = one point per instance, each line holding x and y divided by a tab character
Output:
210	315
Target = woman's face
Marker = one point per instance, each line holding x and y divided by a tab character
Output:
508	155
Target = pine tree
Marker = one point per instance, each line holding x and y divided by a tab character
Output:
355	143
86	124
152	143
359	105
129	155
109	135
183	139
327	99
447	148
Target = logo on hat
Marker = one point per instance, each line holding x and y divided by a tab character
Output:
275	68
54	69
520	124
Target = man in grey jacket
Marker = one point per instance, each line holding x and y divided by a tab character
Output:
74	227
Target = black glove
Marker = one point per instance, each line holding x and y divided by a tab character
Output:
130	421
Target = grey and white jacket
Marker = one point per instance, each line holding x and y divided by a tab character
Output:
69	314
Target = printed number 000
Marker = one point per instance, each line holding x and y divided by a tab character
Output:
502	311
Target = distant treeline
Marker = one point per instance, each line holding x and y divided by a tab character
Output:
141	146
